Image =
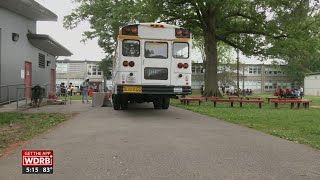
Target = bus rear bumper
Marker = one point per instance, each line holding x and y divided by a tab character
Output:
153	89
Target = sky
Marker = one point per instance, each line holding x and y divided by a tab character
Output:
69	38
89	50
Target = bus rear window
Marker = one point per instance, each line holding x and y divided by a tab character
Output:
156	50
181	50
131	48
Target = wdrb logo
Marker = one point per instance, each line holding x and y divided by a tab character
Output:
37	161
37	158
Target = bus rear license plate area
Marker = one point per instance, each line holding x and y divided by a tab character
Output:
177	89
132	89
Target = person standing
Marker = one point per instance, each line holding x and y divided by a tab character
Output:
202	90
70	89
85	89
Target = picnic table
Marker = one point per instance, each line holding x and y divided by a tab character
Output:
192	99
304	102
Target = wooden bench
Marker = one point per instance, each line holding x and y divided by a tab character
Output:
253	98
304	102
211	97
241	101
258	101
223	100
270	98
235	97
192	99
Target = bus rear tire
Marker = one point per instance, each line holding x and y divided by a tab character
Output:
116	102
165	102
124	102
157	103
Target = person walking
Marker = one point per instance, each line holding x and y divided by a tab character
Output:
85	89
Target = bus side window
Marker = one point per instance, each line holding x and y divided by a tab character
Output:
131	48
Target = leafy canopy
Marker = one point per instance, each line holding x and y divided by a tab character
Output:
285	29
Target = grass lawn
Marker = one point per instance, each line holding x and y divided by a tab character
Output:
299	125
76	97
25	126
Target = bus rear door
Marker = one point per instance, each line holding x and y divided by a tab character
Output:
156	62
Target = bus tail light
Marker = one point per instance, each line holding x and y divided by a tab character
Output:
180	65
178	32
185	65
125	63
134	29
187	78
131	63
185	32
130	30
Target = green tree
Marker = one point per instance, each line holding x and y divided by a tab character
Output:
105	65
254	27
259	27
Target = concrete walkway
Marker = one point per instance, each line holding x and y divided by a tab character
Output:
143	143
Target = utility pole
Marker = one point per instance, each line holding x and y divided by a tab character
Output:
238	72
243	92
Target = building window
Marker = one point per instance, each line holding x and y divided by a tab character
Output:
62	68
193	69
42	61
94	70
89	70
99	71
259	70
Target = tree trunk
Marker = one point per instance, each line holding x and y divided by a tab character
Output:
105	83
210	41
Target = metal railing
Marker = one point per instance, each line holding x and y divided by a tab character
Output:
8	93
18	93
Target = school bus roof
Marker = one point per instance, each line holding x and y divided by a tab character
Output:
153	31
159	24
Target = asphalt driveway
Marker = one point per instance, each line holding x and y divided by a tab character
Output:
143	143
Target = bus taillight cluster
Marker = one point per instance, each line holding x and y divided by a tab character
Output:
181	65
126	63
130	30
182	33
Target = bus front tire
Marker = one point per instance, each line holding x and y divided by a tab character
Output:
116	102
165	103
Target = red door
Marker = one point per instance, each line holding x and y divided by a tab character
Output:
28	79
53	80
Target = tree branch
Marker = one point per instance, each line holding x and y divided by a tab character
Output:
239	14
253	32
